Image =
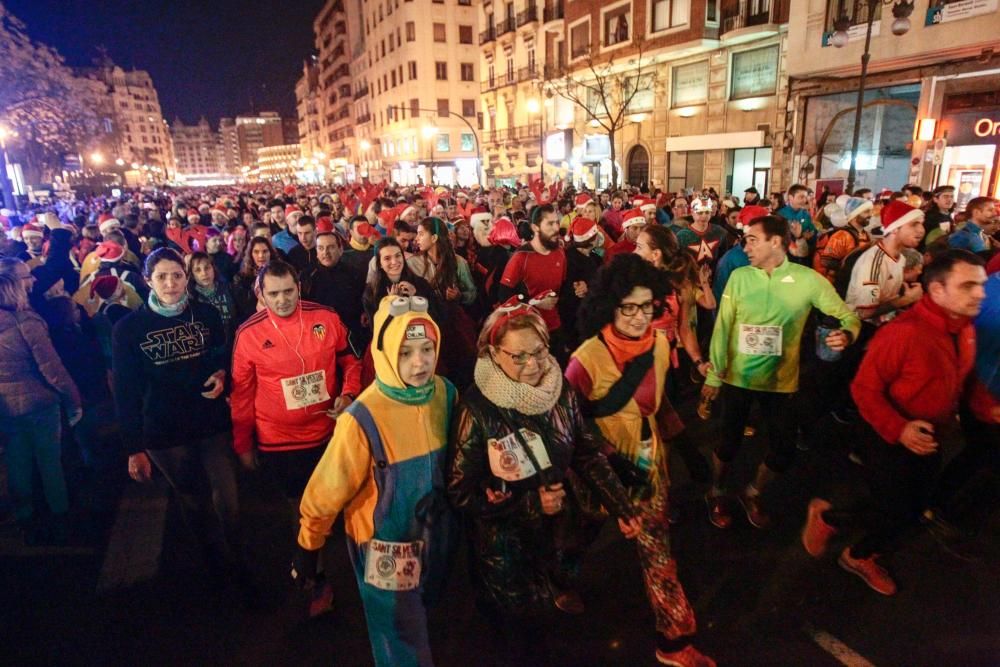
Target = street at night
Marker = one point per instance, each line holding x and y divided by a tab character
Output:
534	333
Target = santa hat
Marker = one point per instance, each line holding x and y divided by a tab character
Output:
835	214
109	251
104	286
324	225
856	206
699	205
481	217
504	233
582	200
461	193
31	229
749	213
898	213
106	223
644	204
193	213
633	217
291	208
289	190
368	230
407	211
220	209
582	230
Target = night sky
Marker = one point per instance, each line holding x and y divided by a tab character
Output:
206	58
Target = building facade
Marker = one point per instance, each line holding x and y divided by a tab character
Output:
196	150
241	137
699	87
931	110
142	138
278	164
308	99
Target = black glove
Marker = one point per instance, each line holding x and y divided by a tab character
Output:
304	568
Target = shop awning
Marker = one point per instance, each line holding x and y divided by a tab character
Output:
705	142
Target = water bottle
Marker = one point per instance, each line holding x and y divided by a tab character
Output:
826	326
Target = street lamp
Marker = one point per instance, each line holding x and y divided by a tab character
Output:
429	132
96	158
901	10
535	107
120	162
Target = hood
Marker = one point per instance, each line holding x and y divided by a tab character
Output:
386	355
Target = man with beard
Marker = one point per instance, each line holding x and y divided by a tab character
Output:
538	271
337	285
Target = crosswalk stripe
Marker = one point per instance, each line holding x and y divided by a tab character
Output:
133	553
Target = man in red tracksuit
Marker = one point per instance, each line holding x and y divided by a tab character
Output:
294	371
908	391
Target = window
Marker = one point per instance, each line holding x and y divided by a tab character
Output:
465	34
685	169
393	78
855	10
669	14
580	39
643	98
414	105
616	25
689	84
443	143
465	3
595	105
411	31
399	41
412	66
383	48
468	142
441	71
468	72
755	72
468	108
439	32
443	108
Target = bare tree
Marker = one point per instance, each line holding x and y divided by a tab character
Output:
52	110
605	92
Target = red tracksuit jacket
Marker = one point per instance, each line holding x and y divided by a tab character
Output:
916	367
286	373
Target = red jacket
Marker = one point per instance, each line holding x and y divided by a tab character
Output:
916	367
269	353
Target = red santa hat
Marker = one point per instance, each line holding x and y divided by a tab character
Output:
324	225
644	204
407	211
292	208
109	251
368	230
633	217
106	223
898	213
104	286
31	229
289	190
582	230
193	213
582	200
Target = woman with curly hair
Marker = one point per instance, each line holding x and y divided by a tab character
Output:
258	253
620	371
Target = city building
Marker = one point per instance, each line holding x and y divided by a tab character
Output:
418	90
196	149
931	108
308	99
242	136
141	137
698	86
278	163
335	92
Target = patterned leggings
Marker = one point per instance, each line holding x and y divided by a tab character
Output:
673	612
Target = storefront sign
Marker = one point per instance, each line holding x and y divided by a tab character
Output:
971	127
755	72
942	11
689	84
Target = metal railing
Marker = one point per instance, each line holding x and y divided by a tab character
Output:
747	13
519	75
488	35
505	26
513	134
362	92
529	15
553	12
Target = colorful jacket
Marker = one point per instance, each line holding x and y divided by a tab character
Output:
268	353
916	367
758	330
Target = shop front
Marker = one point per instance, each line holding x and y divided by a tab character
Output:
965	153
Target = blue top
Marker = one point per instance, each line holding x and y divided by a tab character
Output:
988	338
284	241
969	237
798	215
732	260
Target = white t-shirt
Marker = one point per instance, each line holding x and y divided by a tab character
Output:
875	279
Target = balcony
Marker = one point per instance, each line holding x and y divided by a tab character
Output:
529	15
519	75
505	26
553	12
513	135
740	14
554	71
363	118
362	92
488	35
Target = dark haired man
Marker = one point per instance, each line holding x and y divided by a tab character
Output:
303	255
337	285
755	356
907	389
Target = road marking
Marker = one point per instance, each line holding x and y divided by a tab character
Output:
841	652
136	542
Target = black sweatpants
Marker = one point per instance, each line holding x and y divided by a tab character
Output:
779	422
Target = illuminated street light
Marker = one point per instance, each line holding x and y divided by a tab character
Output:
429	131
365	144
120	162
134	165
97	158
533	106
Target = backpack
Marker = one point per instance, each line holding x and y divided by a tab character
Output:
842	279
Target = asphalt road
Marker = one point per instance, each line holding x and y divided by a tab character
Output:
759	598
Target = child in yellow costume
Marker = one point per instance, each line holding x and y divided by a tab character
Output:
384	468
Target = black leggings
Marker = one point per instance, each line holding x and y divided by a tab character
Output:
780	424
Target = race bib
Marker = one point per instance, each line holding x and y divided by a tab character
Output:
510	462
302	391
760	340
393	566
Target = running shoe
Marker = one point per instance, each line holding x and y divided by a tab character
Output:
873	574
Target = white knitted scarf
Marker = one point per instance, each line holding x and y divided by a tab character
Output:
512	395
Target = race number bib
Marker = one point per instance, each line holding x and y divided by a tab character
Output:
510	462
302	391
393	566
760	340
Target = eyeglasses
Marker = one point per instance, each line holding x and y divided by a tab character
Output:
522	358
631	309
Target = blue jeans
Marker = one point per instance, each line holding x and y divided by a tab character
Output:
35	438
